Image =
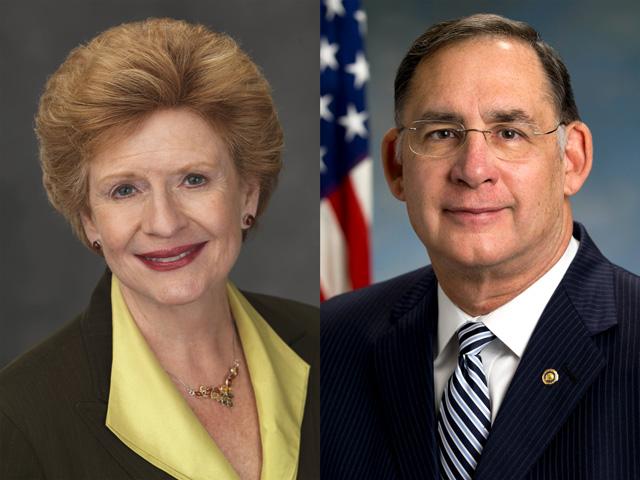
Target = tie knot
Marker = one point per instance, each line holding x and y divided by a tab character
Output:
472	337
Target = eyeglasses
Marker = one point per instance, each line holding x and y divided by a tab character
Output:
509	141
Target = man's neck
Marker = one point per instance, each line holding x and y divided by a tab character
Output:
479	291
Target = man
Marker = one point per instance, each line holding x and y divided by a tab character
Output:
516	354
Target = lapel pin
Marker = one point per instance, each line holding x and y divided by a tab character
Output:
550	376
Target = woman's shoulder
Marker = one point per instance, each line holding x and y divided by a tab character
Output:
45	373
44	355
88	334
282	306
298	324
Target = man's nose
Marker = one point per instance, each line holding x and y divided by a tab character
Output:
163	215
475	162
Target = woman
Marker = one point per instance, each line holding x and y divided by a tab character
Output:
159	143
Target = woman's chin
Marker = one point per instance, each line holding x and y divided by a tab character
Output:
174	293
180	294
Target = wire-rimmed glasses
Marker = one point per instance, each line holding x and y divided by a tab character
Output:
509	141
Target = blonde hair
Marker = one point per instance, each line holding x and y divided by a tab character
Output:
108	86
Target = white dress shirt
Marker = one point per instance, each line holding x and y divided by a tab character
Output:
512	324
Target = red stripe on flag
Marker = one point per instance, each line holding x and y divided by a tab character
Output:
347	208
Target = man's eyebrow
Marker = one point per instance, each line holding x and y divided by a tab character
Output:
507	116
493	116
439	116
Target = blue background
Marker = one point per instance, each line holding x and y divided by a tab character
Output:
600	44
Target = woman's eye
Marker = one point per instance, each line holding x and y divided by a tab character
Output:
123	191
194	180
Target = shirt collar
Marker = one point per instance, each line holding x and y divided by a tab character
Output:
141	394
513	322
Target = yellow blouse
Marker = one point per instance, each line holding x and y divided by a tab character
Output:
151	417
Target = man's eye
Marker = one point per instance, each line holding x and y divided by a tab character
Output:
509	134
123	191
442	134
193	180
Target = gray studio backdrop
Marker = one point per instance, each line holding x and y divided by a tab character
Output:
600	44
46	276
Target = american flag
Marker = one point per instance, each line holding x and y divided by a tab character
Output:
345	165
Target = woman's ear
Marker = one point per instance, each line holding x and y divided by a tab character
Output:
392	163
251	197
89	225
578	157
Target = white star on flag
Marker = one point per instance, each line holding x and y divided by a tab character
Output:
323	167
353	122
325	113
328	55
359	69
361	18
334	7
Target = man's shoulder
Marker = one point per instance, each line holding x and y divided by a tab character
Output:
626	277
627	287
366	307
382	293
595	284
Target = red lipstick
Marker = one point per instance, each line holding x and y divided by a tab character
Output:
172	258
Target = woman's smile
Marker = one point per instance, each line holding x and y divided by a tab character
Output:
171	259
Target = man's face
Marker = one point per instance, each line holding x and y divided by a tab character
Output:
473	209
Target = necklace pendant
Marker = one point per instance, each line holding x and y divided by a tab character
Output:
223	395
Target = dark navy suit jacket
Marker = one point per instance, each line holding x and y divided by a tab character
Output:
378	417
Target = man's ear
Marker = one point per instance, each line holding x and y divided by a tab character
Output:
578	157
392	163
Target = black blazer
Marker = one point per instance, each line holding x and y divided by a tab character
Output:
377	400
53	399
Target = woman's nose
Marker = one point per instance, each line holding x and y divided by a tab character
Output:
162	215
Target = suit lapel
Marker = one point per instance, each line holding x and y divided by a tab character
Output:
403	359
532	412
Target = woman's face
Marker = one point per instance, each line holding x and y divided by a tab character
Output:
167	204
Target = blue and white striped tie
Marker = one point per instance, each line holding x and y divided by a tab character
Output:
465	410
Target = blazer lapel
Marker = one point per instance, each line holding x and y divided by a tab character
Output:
97	334
403	359
94	414
533	412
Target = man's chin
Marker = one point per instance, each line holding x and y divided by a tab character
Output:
478	256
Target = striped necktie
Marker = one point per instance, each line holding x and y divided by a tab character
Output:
465	410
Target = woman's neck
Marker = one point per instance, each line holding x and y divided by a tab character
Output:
186	338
